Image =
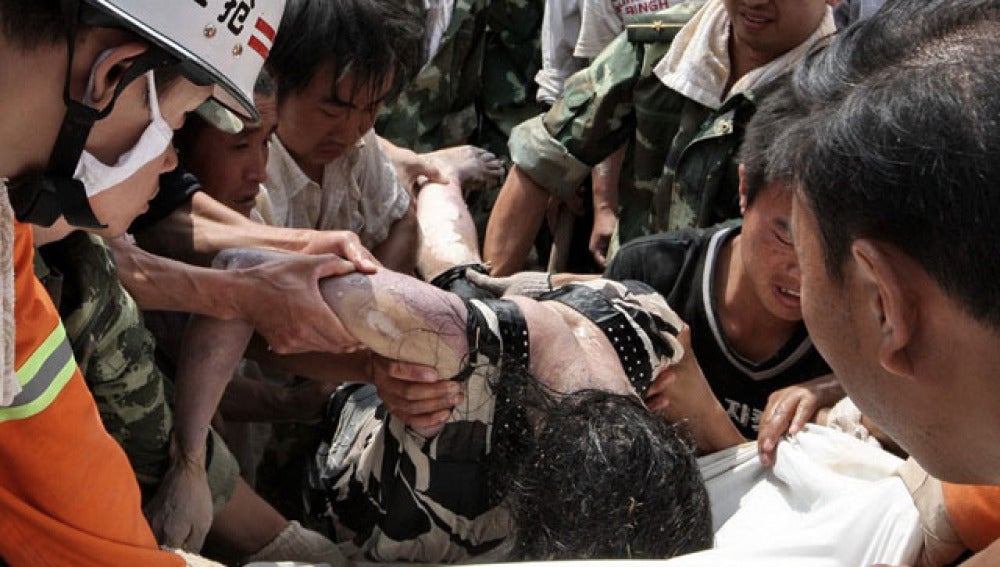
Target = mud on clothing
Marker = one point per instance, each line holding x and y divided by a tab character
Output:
681	266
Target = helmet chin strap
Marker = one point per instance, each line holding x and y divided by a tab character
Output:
42	197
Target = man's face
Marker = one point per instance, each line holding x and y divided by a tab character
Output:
772	27
231	167
327	118
846	322
842	328
768	256
111	137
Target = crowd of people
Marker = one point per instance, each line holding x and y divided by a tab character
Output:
451	281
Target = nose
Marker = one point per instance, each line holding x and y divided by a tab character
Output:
793	268
257	168
169	159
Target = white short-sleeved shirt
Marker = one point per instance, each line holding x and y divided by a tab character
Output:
560	29
360	192
601	21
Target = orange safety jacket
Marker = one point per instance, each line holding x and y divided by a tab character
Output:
974	511
67	494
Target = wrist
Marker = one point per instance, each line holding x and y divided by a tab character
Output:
184	455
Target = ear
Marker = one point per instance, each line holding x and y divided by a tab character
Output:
889	299
109	71
743	189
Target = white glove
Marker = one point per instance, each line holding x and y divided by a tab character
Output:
296	543
527	284
846	417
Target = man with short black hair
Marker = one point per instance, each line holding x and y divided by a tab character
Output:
335	64
738	289
894	220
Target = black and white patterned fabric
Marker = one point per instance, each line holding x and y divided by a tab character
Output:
393	495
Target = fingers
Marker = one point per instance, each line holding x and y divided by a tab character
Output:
327	265
787	411
196	539
360	256
599	249
493	285
411	372
415	393
803	413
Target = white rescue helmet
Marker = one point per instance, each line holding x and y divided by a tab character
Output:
220	42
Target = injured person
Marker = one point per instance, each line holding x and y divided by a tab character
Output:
549	452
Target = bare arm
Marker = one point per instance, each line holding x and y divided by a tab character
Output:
606	176
399	250
197	231
449	234
210	351
681	393
514	222
280	298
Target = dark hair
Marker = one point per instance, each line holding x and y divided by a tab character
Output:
593	475
776	109
902	145
368	39
187	136
32	24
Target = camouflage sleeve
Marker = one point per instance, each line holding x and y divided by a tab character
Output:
115	352
594	117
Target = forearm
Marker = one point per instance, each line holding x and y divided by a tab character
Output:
196	232
606	176
401	318
249	400
517	215
399	250
448	233
159	283
714	431
827	389
320	366
212	348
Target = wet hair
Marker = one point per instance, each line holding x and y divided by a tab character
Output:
776	109
593	474
371	40
900	143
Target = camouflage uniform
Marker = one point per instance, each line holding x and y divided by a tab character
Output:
679	168
476	88
478	85
115	353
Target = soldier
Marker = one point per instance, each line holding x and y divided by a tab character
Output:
474	88
134	396
680	94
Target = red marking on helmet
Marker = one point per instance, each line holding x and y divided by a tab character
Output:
266	29
258	46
